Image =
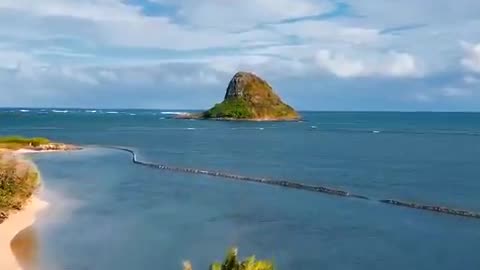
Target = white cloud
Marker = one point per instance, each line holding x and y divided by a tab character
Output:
426	28
107	75
91	9
339	64
11	59
392	64
456	92
402	64
329	32
471	79
161	33
226	14
59	51
388	13
422	97
77	44
471	59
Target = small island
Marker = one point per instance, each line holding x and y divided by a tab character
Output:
249	98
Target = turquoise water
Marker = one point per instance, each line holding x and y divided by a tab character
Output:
107	213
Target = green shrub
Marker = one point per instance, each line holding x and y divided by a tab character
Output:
18	181
17	142
231	262
231	108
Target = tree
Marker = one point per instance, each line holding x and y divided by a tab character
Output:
231	262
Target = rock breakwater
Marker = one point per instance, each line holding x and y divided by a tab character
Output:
299	186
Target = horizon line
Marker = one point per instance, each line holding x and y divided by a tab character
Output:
197	109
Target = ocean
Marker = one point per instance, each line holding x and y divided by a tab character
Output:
107	213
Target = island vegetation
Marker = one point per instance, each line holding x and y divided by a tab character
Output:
248	97
232	262
18	180
19	142
34	144
234	108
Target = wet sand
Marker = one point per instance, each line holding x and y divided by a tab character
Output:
17	241
31	151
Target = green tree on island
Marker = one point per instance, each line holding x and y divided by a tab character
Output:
231	262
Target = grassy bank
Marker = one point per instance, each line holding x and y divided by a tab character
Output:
19	142
232	262
18	180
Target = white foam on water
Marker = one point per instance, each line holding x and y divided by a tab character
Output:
191	128
24	111
91	111
112	112
174	113
314	127
132	114
376	131
60	111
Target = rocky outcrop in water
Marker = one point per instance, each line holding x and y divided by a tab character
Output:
249	97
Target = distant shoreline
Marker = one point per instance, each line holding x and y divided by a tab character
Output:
82	109
193	116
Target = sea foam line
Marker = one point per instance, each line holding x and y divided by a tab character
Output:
297	185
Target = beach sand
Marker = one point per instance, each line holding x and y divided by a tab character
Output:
11	227
30	151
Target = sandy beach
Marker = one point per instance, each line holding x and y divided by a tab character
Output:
31	151
14	224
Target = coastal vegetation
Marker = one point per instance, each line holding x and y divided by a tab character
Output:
19	142
18	177
232	262
18	180
13	143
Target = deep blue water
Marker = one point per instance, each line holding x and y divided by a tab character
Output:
107	213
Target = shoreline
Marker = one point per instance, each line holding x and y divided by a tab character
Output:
32	151
68	148
227	119
21	220
12	226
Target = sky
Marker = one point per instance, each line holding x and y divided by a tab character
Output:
409	55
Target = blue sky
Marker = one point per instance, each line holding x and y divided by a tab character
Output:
180	54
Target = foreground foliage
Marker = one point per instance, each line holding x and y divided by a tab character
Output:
234	108
231	262
18	142
18	181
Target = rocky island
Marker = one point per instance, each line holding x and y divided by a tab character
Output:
249	98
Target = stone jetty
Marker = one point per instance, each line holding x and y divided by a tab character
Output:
299	186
